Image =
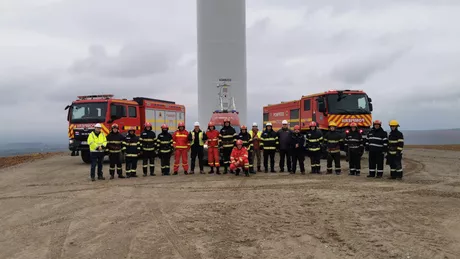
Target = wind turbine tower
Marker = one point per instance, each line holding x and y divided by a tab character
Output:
221	35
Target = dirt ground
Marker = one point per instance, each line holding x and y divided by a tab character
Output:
50	209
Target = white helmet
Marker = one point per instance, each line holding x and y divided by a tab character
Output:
268	124
285	122
255	124
98	125
196	124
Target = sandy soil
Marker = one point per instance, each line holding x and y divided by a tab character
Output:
21	159
50	209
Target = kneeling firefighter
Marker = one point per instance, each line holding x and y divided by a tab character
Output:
395	148
239	159
247	143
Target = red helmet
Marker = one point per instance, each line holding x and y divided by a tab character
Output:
211	124
377	122
312	124
296	127
239	142
243	127
147	124
164	126
181	124
353	124
114	126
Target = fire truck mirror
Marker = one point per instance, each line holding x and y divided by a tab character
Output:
371	107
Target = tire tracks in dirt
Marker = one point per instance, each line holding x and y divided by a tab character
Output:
180	245
58	240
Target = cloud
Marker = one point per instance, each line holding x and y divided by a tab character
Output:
359	70
135	60
402	53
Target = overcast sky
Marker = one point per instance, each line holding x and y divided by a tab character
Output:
404	53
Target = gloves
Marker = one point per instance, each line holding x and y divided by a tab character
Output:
366	148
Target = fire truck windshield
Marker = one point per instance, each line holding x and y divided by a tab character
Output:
348	104
88	112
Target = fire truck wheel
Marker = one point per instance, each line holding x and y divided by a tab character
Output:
85	156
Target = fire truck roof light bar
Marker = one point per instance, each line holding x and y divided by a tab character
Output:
97	96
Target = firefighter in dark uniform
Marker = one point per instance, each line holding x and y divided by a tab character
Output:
227	138
395	148
376	144
114	148
269	144
297	144
314	140
165	149
333	141
354	147
247	143
148	143
132	148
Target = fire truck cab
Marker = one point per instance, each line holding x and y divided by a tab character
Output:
89	110
340	106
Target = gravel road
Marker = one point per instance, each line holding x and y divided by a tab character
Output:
50	209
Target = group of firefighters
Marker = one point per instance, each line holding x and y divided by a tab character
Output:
240	150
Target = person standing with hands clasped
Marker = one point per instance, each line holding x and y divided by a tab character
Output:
333	141
97	142
255	148
148	142
377	145
395	148
354	148
114	148
297	150
132	148
284	138
269	144
314	140
181	147
165	149
197	139
213	148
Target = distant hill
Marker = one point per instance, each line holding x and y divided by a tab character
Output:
432	137
412	137
12	149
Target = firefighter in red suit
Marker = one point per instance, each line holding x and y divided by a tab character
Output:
181	147
213	148
239	159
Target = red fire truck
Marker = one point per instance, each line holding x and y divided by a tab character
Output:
339	106
88	110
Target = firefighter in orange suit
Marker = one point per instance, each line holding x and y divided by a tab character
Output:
181	147
213	148
239	159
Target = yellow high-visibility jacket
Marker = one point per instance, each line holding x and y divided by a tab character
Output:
96	141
